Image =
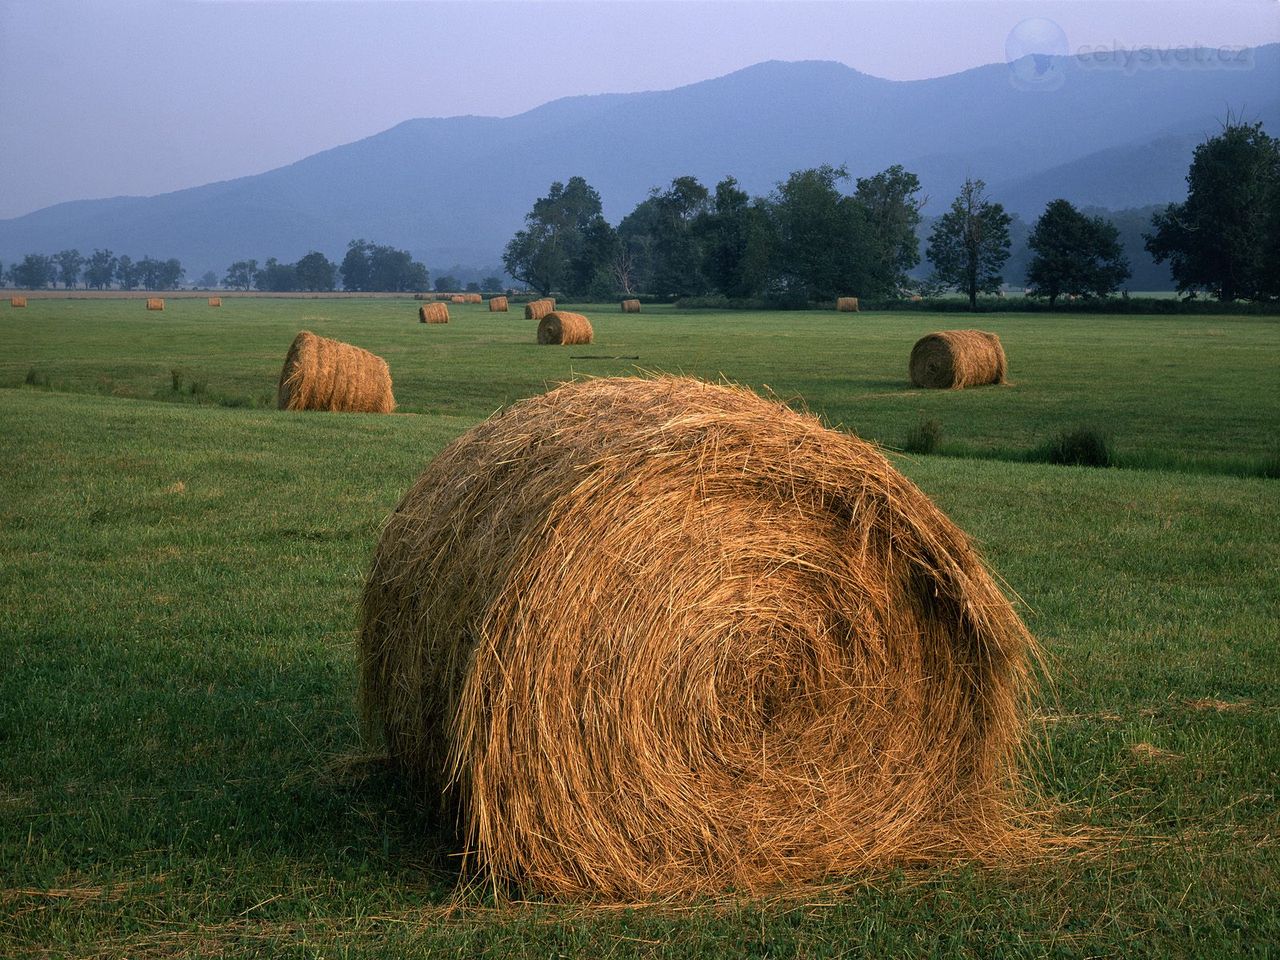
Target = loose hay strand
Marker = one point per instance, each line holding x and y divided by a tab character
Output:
661	637
324	374
954	359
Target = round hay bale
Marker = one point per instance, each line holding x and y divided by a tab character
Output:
659	637
953	359
537	309
215	301
497	304
324	374
847	304
630	306
457	298
155	303
17	301
433	313
563	327
474	298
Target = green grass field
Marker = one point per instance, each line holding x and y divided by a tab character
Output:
181	570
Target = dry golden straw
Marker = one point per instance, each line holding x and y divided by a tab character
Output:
215	301
155	303
952	359
847	304
662	637
324	374
433	313
563	327
17	301
537	309
474	298
630	306
458	298
497	304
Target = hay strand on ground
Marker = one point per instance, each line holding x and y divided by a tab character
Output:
433	313
497	304
953	359
324	374
155	303
847	305
563	327
630	306
662	637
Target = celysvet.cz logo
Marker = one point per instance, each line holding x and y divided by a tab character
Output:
1115	56
1035	51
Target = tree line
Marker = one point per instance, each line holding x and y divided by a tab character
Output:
98	271
808	241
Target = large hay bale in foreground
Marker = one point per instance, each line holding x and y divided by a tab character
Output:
17	301
630	306
433	313
952	359
497	304
215	301
847	304
537	309
563	327
324	374
652	637
155	303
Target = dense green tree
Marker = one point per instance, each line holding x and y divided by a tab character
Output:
35	272
738	242
663	238
970	243
69	263
208	280
276	277
241	275
448	284
821	236
100	269
370	266
171	273
491	283
1222	238
891	203
315	271
564	242
355	270
1074	254
127	276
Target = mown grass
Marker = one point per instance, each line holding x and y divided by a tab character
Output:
1188	393
180	770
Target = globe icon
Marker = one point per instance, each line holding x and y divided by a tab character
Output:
1034	49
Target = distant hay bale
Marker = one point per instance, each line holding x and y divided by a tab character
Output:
661	637
953	359
630	306
458	298
17	301
537	309
474	298
215	301
563	327
433	313
847	305
155	303
497	304
916	298
324	374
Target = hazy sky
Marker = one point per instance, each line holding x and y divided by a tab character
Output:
107	97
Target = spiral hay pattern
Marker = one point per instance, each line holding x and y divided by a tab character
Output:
324	374
953	359
661	637
563	327
537	309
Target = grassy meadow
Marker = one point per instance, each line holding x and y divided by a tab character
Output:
182	772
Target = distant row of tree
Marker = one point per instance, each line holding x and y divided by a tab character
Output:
808	241
98	271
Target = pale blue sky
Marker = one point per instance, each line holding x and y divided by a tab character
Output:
107	97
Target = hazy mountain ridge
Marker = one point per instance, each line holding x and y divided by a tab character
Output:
453	190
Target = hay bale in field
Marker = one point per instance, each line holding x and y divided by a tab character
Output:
433	313
324	374
563	327
215	301
458	298
475	298
155	303
17	301
952	359
658	637
497	304
847	304
537	309
630	306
